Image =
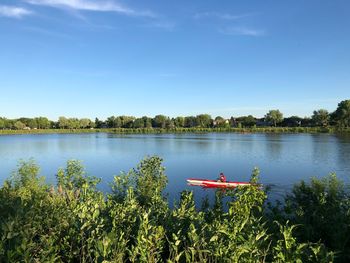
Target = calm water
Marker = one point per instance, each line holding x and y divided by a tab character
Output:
282	158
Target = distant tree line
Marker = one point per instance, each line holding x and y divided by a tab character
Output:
320	118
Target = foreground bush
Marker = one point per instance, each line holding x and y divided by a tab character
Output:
321	209
74	222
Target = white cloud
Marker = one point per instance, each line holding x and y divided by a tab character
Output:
14	11
230	23
242	31
91	5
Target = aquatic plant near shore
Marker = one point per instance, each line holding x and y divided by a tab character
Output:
73	221
177	130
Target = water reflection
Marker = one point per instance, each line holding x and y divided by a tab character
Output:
323	147
274	146
342	142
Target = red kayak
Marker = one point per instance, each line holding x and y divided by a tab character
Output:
214	184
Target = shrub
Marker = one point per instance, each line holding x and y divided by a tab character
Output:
74	222
322	211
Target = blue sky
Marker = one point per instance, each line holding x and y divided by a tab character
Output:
97	58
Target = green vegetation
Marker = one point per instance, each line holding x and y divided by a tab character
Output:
75	222
321	118
320	121
322	209
184	130
274	116
342	115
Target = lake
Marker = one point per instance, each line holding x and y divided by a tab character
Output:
283	159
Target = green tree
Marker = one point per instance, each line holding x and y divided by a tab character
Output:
342	114
274	116
292	121
204	120
179	122
73	123
98	123
219	121
169	124
114	122
147	122
53	125
159	121
25	121
306	122
246	121
111	122
2	123
320	117
118	122
233	122
126	121
32	124
9	124
63	122
19	125
139	123
42	123
190	121
85	123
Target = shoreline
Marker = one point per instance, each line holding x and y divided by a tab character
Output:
311	130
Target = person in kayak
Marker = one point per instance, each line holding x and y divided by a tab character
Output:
222	178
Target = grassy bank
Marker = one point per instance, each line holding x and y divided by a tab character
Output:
183	130
74	222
